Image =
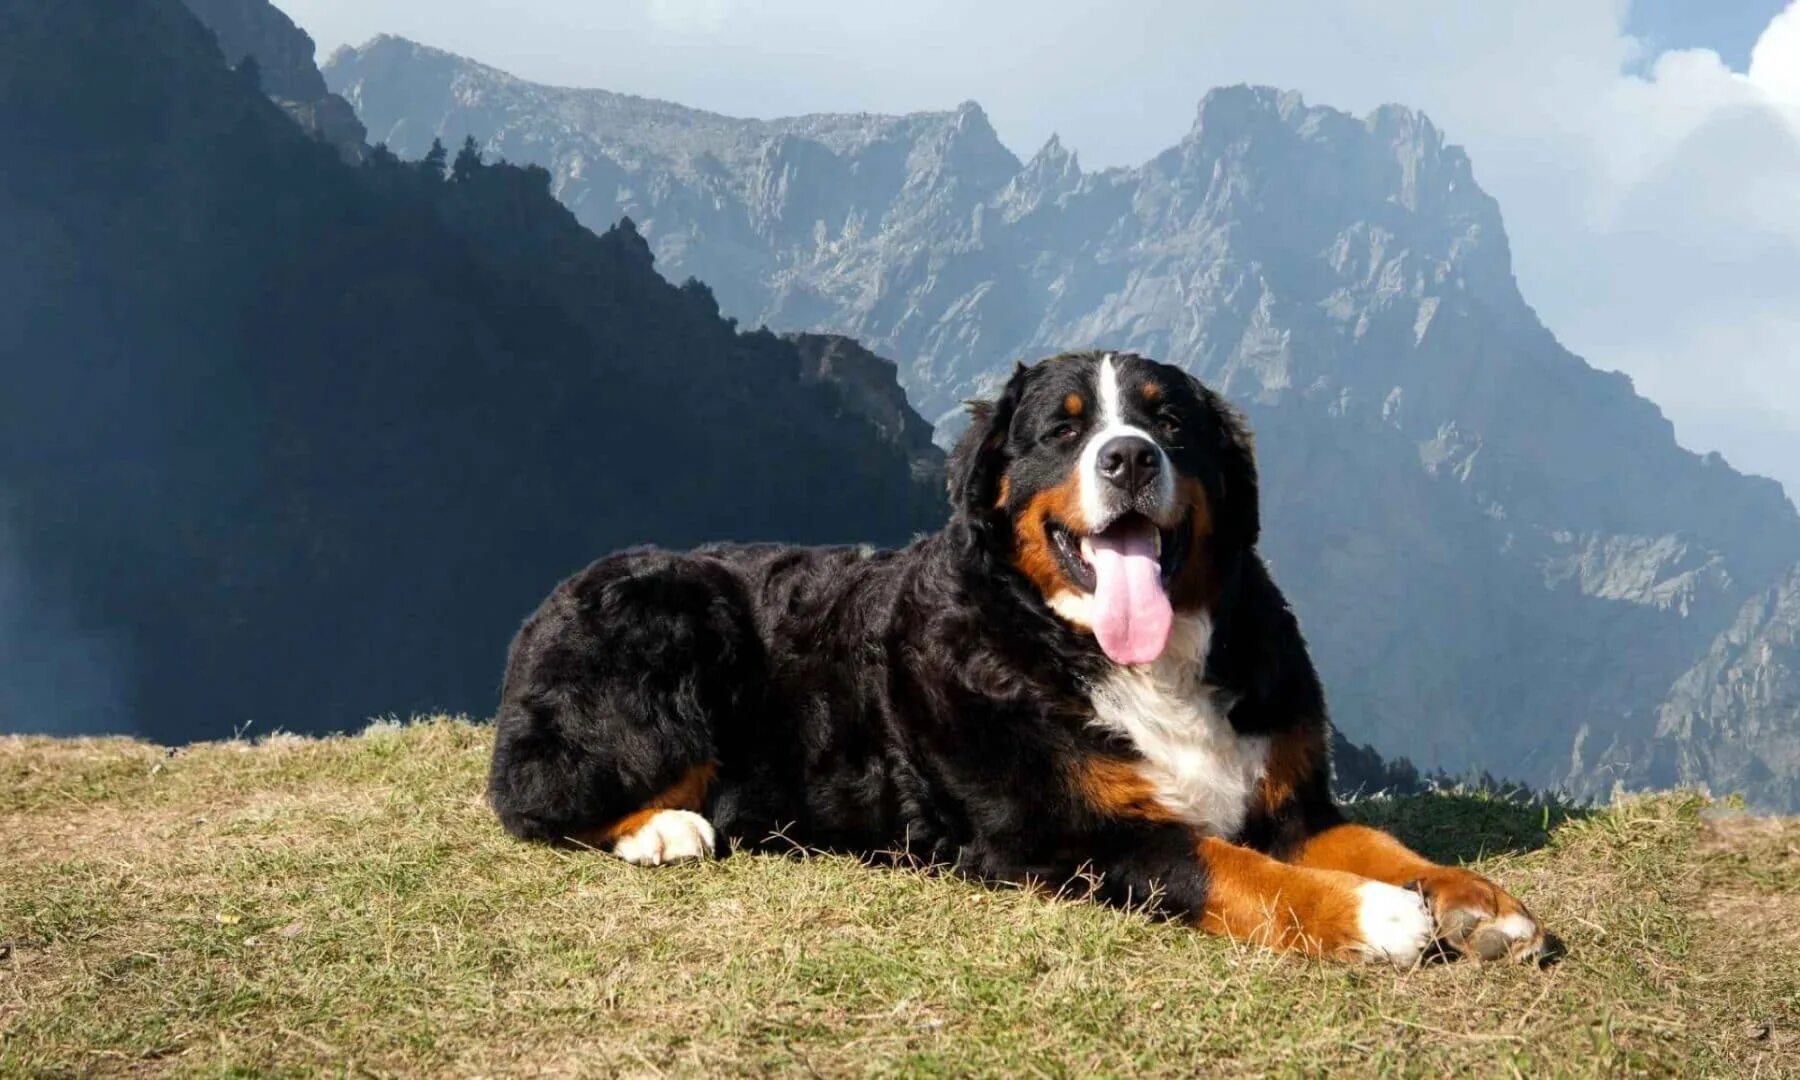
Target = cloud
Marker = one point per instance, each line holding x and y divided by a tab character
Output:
1775	58
1651	194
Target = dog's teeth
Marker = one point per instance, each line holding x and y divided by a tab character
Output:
1087	549
1156	543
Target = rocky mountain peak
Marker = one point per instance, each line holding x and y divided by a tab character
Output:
282	50
1393	154
970	114
1398	123
629	242
866	386
1232	109
1054	163
1052	172
964	150
283	53
1053	154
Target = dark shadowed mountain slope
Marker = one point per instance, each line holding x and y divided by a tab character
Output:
1504	559
865	385
289	443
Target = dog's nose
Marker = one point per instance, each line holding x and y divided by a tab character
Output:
1129	462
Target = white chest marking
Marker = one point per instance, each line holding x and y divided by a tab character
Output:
1204	772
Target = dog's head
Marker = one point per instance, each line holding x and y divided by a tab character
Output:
1121	488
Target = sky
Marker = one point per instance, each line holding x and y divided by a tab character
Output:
1646	155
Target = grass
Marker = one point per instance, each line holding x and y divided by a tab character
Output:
348	906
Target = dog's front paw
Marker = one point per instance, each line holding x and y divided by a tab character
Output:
1393	925
667	836
1477	918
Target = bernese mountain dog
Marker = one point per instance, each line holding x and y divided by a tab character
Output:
1087	680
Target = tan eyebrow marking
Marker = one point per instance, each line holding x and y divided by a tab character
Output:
1073	404
1151	391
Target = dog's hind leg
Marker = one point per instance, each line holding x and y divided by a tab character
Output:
615	692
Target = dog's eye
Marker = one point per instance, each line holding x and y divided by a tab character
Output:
1170	424
1062	432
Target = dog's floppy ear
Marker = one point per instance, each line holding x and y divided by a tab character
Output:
979	459
1240	519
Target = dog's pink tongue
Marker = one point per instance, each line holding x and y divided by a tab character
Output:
1131	611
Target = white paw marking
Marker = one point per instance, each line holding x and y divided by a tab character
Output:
1394	923
669	836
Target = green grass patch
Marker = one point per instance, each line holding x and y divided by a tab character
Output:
349	906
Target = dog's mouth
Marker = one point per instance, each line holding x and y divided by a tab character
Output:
1076	553
1126	568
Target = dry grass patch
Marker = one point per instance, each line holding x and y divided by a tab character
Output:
349	906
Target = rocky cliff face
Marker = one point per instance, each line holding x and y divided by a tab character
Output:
1728	723
283	54
865	386
1504	559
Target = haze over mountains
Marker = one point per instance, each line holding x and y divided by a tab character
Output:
1502	556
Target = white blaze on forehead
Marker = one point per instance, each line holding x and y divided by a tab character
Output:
1109	391
1094	492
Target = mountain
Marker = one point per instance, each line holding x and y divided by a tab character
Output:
282	56
865	385
1724	721
290	443
1502	556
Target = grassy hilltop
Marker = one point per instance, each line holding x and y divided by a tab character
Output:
348	906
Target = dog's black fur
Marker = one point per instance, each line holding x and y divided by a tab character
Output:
926	700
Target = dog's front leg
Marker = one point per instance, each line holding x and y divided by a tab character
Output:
1473	914
1323	912
1223	888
